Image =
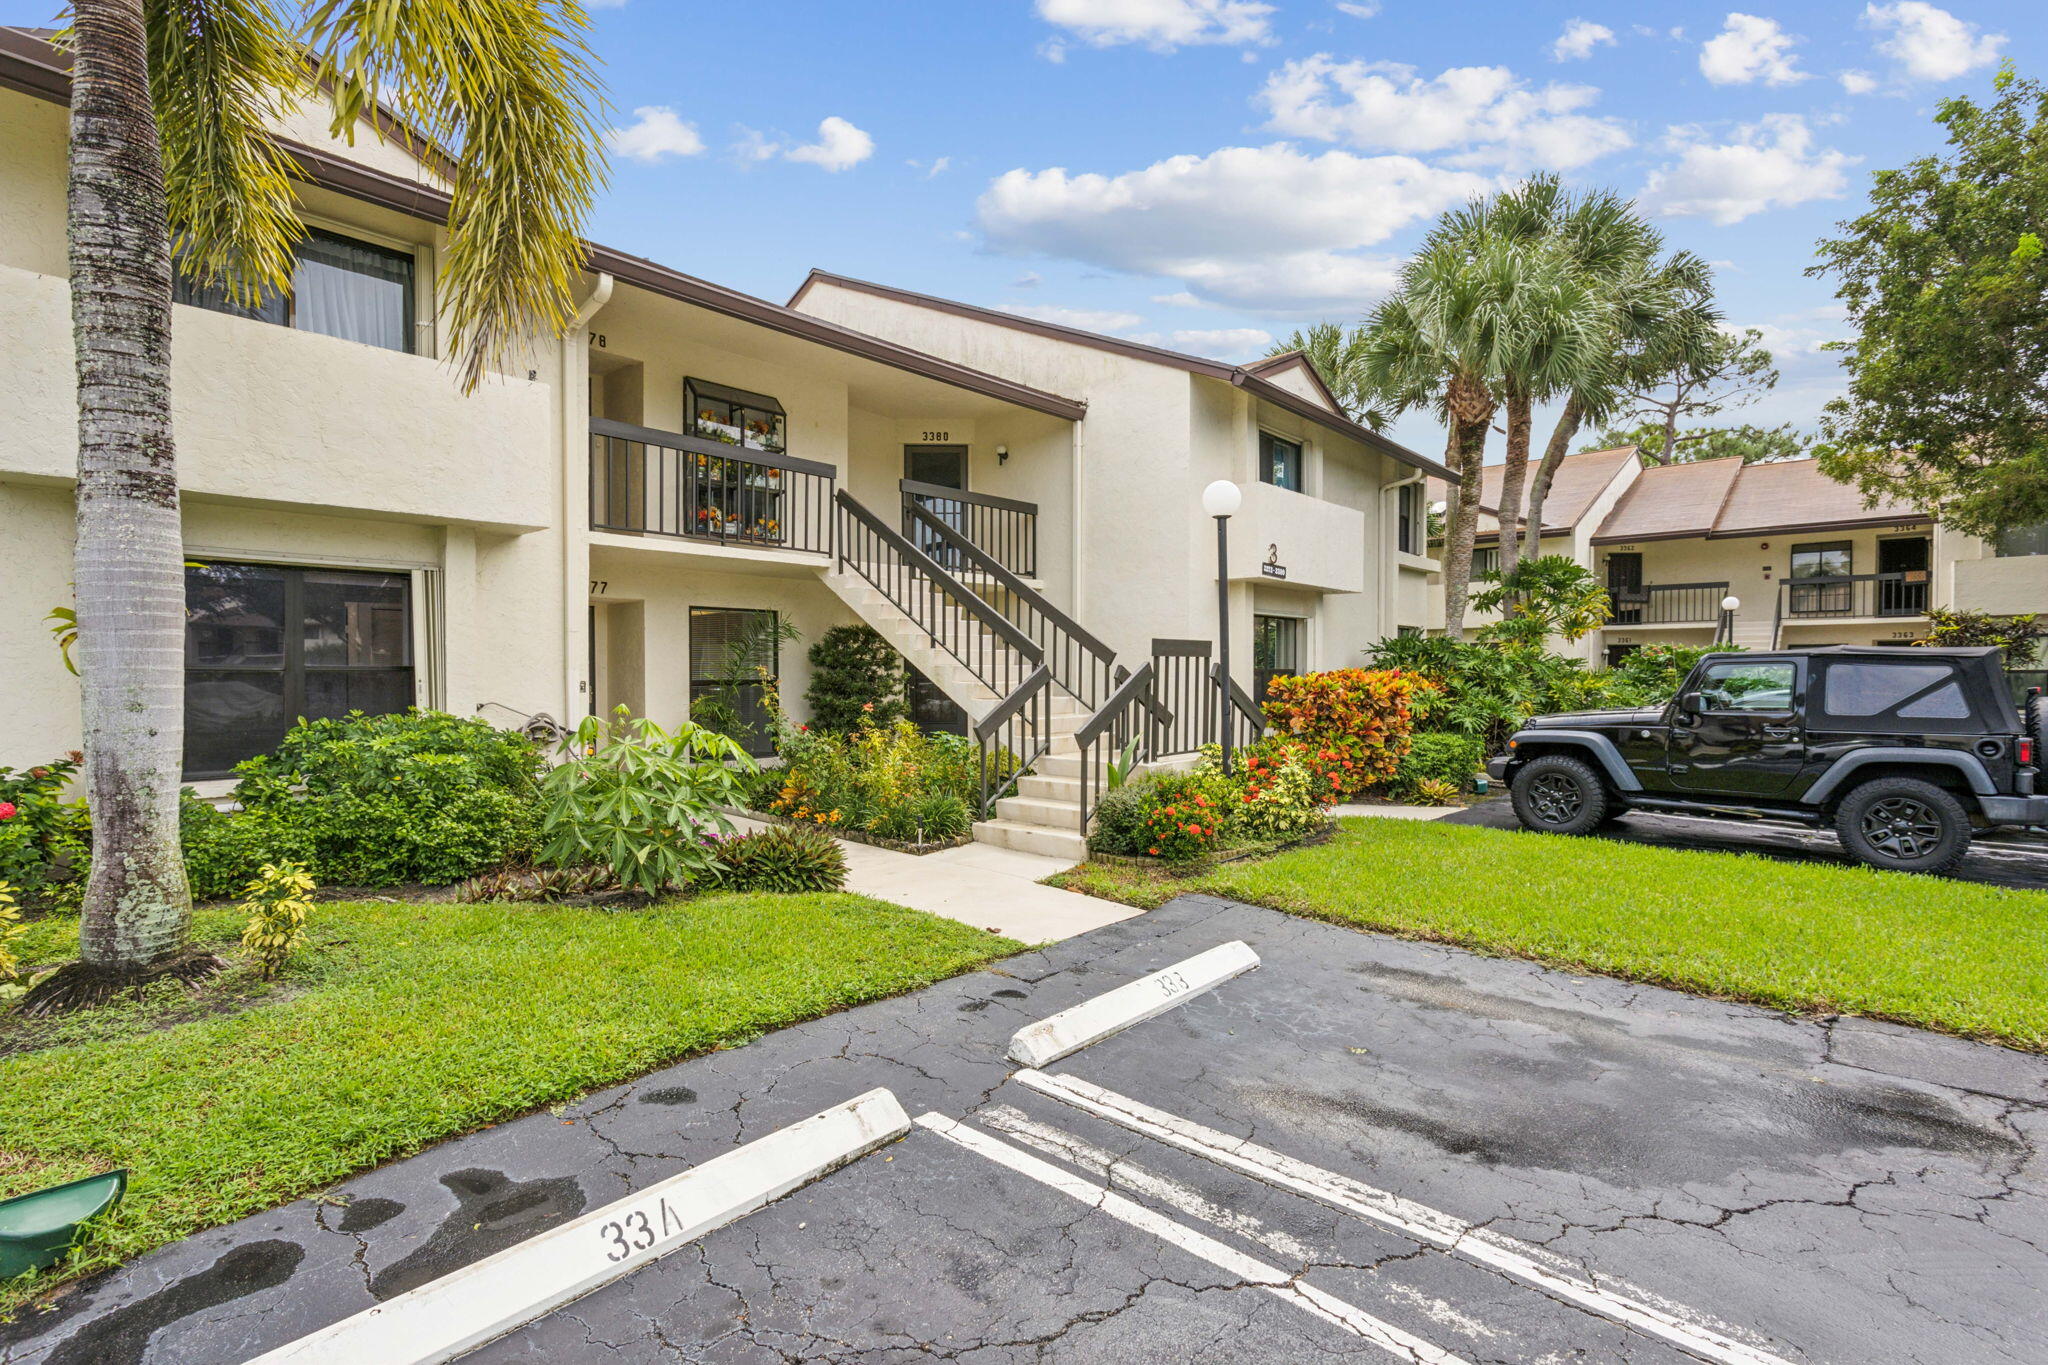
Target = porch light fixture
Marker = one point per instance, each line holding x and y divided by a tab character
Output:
1220	500
1725	635
1002	454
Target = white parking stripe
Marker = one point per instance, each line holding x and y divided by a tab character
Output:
1249	1269
1117	1170
485	1300
1554	1275
1148	997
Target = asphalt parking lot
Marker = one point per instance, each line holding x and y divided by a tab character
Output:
1365	1148
2000	858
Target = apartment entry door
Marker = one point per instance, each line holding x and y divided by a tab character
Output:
941	467
1625	587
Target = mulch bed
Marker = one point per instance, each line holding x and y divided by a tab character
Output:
854	836
1221	856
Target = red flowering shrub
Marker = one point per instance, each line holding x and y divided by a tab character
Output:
1356	721
1185	816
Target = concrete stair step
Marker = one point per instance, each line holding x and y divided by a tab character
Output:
1028	810
1050	843
1042	787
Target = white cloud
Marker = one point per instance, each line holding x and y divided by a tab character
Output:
655	134
937	166
1749	48
1179	298
1787	342
1350	7
1270	228
1483	115
1929	43
1857	82
1227	343
755	145
1578	40
1087	319
1771	163
839	146
1030	279
1161	25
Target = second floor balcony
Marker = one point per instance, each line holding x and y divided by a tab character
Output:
1854	596
1667	604
664	483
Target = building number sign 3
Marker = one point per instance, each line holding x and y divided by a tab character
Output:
938	436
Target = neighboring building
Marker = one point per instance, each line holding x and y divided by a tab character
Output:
1808	562
618	519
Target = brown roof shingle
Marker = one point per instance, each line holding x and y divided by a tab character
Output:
1671	500
1794	494
1580	481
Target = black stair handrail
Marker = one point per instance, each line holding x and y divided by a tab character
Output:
1080	663
925	616
1019	729
1121	719
1248	711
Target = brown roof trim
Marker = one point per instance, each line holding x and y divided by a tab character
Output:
1238	376
1274	364
1789	528
29	65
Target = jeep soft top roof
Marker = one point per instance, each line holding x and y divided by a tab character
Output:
1905	652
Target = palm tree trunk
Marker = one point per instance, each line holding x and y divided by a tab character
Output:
1470	439
1553	455
1512	476
129	565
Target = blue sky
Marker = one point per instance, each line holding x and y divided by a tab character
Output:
1212	173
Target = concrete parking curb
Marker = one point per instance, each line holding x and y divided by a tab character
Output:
487	1299
1092	1020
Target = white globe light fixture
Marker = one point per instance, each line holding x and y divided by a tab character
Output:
1725	634
1222	498
1731	602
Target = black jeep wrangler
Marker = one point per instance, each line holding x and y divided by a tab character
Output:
1903	751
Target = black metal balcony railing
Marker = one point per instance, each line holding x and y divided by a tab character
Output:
1863	594
665	483
1004	528
1669	604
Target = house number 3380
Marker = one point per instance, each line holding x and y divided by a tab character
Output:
938	435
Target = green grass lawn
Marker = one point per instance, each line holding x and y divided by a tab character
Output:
1964	958
407	1023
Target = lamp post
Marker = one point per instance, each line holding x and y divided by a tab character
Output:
1220	499
1726	634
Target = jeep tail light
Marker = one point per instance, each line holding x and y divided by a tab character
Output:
2026	753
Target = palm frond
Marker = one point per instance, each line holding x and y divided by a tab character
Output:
508	87
222	74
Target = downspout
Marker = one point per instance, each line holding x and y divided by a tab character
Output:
575	400
1077	537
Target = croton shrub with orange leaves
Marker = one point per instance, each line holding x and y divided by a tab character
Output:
1356	720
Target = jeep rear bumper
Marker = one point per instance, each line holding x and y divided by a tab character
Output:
1497	768
2015	810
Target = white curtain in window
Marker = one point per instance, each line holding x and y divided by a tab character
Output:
353	291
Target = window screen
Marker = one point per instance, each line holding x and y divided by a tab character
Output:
735	656
266	644
1276	650
1280	462
1868	689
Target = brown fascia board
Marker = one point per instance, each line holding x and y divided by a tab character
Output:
1274	364
1752	532
1238	376
31	66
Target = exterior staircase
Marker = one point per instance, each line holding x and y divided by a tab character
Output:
1044	817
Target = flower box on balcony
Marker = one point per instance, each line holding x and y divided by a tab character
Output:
736	417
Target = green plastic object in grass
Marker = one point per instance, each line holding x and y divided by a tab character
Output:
36	1229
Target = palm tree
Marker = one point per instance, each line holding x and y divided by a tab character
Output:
173	103
1445	339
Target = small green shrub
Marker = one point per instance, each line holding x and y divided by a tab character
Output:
894	782
11	928
276	901
1119	818
377	800
225	849
1187	815
1275	794
642	800
1435	791
1363	716
1442	757
779	858
856	676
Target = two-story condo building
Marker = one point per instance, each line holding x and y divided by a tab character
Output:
622	516
1807	562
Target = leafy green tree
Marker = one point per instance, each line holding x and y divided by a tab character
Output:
1692	374
1946	284
1750	444
173	110
1545	596
855	675
1334	351
2017	637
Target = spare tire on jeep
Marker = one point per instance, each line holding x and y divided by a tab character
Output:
1904	824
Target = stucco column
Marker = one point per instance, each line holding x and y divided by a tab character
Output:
461	674
572	398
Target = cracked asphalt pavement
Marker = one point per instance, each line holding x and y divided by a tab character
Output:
1820	1189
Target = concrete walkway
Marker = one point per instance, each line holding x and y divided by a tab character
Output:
1379	812
978	884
